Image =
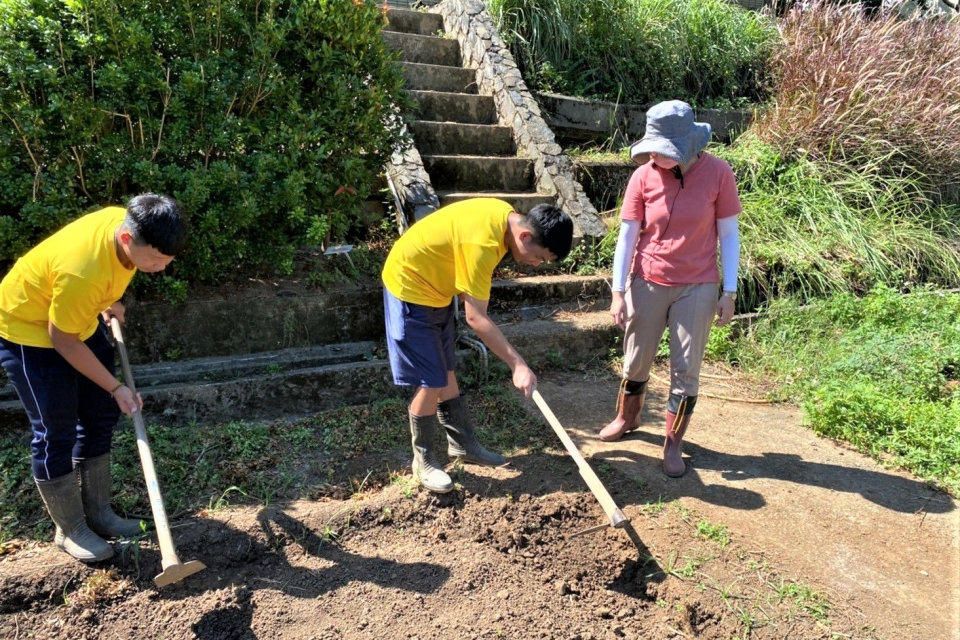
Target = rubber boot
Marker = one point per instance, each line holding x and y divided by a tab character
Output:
679	411
426	469
95	491
62	498
629	404
461	440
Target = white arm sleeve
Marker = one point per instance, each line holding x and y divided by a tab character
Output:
728	230
623	256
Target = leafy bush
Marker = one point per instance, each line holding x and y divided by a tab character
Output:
882	372
267	119
878	92
815	228
708	52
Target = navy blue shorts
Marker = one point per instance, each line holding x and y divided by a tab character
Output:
71	417
420	341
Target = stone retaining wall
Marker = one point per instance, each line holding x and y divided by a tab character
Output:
591	120
412	184
498	76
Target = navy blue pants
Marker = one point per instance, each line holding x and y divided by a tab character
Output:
71	417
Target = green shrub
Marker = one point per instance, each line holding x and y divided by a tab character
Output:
881	371
268	120
708	52
869	91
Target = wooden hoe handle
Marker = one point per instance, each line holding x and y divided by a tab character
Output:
168	551
617	519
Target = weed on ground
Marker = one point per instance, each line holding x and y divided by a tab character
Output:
881	372
215	466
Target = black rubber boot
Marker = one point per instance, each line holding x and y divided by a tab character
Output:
62	498
95	491
426	469
461	440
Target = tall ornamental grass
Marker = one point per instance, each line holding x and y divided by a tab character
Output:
708	52
871	91
881	371
815	228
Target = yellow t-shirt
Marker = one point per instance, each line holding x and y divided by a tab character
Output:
67	279
453	250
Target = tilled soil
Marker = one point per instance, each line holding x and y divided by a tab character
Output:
494	559
491	560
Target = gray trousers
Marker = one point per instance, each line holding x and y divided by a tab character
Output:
688	311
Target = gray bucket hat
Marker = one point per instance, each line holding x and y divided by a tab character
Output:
672	133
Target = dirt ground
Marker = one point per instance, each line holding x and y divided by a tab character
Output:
823	543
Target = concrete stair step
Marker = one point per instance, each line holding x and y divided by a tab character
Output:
566	336
519	303
440	106
433	77
419	22
264	396
424	49
220	368
479	173
225	368
290	327
521	201
456	138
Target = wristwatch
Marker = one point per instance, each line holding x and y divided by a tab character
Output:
730	294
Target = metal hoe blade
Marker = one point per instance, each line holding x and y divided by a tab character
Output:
588	530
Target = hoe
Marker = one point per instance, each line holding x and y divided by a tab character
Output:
617	519
173	569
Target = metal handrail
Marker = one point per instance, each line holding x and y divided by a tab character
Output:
402	223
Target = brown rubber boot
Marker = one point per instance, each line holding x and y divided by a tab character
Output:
629	404
680	408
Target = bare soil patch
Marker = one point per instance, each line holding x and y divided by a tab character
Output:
819	542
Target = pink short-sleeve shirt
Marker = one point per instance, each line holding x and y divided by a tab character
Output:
678	244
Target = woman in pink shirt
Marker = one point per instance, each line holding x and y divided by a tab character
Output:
679	205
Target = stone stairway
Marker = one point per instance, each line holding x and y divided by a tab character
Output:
465	152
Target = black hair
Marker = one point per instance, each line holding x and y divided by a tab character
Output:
157	221
552	229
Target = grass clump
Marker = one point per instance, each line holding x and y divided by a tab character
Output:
872	90
215	466
815	228
708	52
881	372
593	256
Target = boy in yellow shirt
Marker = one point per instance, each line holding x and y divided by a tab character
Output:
56	353
451	252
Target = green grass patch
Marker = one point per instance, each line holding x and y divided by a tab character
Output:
804	598
215	466
593	256
716	532
881	372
